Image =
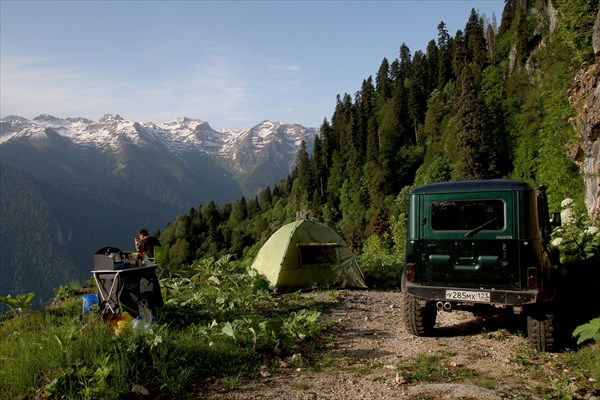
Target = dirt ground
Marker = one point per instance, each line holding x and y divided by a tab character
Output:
478	359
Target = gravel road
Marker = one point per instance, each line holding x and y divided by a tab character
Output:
373	355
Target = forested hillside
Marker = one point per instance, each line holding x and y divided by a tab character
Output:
489	101
35	231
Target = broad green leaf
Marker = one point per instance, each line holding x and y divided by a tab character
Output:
215	280
228	330
588	331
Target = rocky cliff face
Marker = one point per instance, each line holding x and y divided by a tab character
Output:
584	96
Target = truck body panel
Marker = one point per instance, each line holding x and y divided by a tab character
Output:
477	243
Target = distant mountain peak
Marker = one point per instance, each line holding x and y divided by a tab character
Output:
110	117
46	117
183	123
14	118
79	120
104	177
241	151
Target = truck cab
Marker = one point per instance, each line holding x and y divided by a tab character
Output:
481	246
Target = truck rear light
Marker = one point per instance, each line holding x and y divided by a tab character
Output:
410	272
532	277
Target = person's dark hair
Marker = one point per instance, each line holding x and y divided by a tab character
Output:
144	232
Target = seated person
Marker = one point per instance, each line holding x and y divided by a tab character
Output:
145	244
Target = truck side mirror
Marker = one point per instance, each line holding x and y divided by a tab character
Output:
555	221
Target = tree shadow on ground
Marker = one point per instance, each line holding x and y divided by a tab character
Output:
579	303
513	323
347	335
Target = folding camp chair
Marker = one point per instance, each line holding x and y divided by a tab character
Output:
124	290
107	284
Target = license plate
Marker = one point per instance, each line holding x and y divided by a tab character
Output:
467	295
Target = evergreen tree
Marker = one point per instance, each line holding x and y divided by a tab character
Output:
239	212
319	168
459	54
329	142
476	48
405	59
493	93
476	158
303	184
478	114
343	124
383	82
418	92
252	207
432	61
210	214
444	63
491	31
265	199
366	104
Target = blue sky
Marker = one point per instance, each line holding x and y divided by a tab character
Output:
230	63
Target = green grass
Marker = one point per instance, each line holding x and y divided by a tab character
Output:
300	385
437	369
362	367
52	348
560	373
218	321
556	375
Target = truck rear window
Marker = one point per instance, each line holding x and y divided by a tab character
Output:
466	215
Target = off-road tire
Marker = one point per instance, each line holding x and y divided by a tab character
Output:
542	330
419	319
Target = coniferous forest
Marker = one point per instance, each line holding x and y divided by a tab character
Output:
488	101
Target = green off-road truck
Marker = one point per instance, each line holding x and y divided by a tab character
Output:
482	246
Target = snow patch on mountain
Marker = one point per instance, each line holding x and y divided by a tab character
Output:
179	136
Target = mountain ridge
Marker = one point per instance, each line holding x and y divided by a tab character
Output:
182	134
96	183
239	151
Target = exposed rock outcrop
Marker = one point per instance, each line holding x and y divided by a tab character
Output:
584	97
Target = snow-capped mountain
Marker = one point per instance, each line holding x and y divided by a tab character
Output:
71	186
238	150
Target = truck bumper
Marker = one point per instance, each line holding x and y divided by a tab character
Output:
503	297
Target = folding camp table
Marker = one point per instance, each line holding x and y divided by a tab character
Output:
121	290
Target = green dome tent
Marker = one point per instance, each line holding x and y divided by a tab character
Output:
307	255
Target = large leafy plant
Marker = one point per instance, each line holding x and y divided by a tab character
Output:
18	305
589	331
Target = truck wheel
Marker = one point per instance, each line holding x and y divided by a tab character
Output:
419	319
542	331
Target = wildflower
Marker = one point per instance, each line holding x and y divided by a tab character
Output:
566	202
157	340
591	230
556	242
567	216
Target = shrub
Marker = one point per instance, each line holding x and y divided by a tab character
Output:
219	318
381	265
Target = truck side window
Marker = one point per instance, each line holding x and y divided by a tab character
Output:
466	215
